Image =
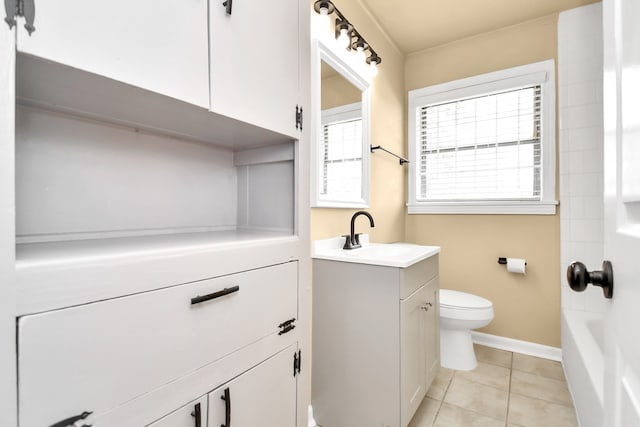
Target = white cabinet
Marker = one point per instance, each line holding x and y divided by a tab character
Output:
264	396
244	65
158	45
375	341
193	414
160	336
136	193
108	164
419	345
254	62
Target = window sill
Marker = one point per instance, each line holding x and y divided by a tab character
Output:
484	208
336	204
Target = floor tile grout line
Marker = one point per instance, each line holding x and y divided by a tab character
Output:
538	374
493	362
509	394
485	384
544	378
510	391
473	411
553	402
446	390
489	362
435	418
461	407
544	361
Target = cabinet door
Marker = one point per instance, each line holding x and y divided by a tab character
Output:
194	414
412	353
431	319
263	396
158	45
254	62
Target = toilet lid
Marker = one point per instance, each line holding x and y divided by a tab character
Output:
462	300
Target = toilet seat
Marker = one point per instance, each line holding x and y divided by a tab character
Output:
464	306
462	301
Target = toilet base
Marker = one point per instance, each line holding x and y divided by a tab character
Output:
456	350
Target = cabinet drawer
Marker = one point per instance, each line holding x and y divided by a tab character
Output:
418	274
190	415
97	356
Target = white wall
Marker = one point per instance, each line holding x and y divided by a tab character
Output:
580	149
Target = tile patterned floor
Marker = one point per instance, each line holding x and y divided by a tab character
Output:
506	389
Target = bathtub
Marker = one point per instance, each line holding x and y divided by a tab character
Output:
583	361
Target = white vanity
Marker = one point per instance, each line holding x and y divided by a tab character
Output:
375	331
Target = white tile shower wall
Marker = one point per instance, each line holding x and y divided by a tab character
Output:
580	148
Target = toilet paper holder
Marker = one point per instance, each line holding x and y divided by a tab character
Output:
503	260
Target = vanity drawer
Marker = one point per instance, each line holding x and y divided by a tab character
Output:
411	278
97	356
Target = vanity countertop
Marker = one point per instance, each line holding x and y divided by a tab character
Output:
400	255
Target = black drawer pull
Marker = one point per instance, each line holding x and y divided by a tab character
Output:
71	421
227	407
197	414
225	291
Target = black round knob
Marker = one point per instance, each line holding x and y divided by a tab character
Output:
578	277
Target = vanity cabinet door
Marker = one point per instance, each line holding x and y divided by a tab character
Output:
431	318
263	396
419	346
194	414
412	353
254	62
158	45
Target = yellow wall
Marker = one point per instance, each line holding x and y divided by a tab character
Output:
526	307
388	130
337	91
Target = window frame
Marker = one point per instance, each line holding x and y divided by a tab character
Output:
538	73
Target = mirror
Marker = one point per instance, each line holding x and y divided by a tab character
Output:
340	175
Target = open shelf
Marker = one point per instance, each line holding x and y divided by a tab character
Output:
120	190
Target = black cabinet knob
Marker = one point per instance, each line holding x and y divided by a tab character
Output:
578	277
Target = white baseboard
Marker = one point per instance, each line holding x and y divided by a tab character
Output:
518	346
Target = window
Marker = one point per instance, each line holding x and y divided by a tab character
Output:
341	171
485	144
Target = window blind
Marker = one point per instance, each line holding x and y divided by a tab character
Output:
481	148
341	175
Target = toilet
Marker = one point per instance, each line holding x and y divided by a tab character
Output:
461	312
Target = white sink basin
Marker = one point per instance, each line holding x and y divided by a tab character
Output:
386	254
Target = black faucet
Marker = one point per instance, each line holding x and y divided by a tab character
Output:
352	241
